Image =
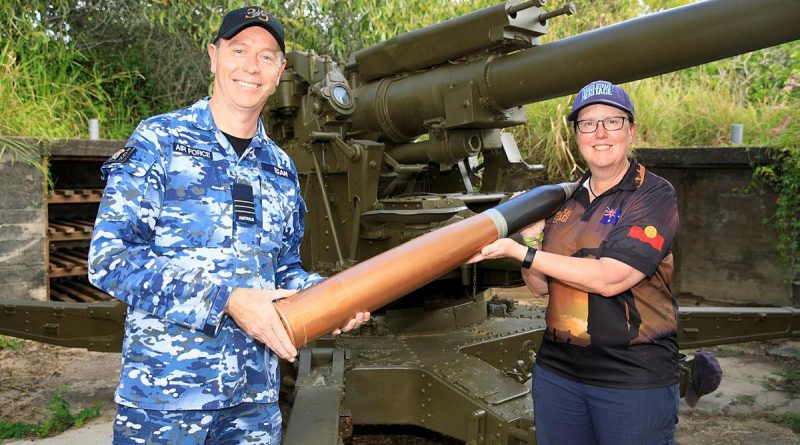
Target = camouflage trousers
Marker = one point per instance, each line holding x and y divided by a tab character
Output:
246	423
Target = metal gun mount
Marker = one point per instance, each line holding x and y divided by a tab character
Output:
388	148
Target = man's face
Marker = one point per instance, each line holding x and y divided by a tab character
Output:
247	68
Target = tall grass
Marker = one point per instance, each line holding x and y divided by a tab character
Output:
50	88
51	84
51	94
672	110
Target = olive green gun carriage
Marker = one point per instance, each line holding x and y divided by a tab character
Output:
388	147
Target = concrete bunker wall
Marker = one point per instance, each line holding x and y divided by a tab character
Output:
726	249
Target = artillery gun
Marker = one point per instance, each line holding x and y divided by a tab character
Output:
389	147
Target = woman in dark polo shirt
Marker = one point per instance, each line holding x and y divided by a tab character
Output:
607	369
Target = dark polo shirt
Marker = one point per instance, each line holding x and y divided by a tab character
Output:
627	340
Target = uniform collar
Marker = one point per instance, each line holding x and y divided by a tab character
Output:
204	120
631	181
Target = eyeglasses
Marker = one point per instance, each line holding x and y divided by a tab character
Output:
609	123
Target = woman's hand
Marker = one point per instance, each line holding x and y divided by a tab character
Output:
502	248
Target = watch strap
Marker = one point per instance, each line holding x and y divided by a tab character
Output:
526	263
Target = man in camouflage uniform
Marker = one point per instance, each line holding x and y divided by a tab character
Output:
198	232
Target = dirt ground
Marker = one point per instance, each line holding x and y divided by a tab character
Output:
744	410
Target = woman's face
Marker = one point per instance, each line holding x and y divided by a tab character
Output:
604	149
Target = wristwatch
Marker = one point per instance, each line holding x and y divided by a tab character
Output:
526	263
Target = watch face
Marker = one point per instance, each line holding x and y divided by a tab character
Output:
342	96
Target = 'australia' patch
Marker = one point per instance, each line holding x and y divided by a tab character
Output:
611	216
121	155
243	205
189	151
277	171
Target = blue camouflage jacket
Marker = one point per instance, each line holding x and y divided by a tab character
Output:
182	223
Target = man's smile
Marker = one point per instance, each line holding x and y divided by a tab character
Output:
244	84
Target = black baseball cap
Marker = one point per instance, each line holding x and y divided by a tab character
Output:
239	19
706	377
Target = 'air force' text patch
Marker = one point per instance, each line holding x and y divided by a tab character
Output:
189	151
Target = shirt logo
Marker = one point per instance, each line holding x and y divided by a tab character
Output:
121	155
611	216
277	171
562	216
189	151
648	235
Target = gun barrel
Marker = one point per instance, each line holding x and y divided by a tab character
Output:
644	47
399	109
382	279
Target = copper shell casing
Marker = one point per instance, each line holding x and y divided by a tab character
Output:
373	283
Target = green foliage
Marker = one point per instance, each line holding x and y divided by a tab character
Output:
66	61
60	419
792	419
693	107
786	379
791	380
50	89
345	26
783	175
63	62
10	343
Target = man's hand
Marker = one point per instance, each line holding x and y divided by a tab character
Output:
253	311
357	320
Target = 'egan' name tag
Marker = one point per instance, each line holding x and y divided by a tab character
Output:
277	171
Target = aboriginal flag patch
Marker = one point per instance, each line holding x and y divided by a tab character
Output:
647	235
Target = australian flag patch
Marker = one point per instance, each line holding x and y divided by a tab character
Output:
611	216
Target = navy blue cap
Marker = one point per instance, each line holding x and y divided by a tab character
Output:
706	376
601	92
239	19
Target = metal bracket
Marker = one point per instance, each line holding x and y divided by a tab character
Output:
522	370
